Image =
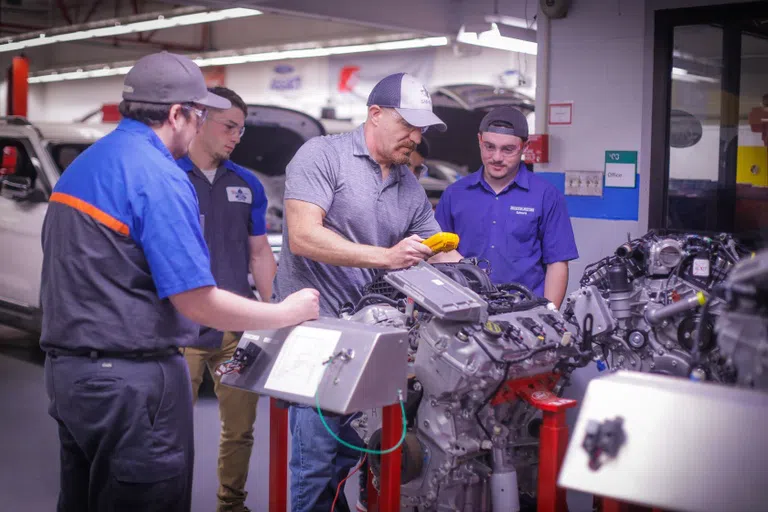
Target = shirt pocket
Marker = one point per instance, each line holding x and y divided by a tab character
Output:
521	229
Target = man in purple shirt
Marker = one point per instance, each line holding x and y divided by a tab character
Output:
507	215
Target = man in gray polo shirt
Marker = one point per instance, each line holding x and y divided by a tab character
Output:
352	206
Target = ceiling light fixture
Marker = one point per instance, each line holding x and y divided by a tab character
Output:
684	76
115	27
494	39
217	59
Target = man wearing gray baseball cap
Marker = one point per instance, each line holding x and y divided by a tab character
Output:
126	283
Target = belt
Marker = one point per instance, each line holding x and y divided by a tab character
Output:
108	354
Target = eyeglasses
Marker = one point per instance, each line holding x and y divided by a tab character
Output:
405	124
419	170
230	127
201	114
506	151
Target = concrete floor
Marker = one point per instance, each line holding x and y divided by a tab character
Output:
29	464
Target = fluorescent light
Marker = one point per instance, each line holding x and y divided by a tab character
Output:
264	56
683	75
117	28
493	39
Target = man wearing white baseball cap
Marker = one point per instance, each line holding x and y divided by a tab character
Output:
351	206
126	282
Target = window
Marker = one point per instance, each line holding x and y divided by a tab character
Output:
64	154
19	168
710	121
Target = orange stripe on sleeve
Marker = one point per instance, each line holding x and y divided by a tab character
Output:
90	210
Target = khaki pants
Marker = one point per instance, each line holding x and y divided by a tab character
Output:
237	410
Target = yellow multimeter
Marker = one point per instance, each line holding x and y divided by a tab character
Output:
442	242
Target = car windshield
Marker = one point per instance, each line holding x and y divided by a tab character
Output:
64	153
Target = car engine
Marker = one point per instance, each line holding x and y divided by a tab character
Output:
742	324
472	444
643	304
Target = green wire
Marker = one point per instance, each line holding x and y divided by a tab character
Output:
353	447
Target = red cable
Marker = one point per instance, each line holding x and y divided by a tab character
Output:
341	484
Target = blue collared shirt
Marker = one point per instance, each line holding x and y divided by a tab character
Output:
519	231
121	235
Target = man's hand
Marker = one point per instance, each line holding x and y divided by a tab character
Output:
410	251
302	305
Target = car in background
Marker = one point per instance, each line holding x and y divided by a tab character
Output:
33	158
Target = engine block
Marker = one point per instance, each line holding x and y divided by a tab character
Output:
644	304
466	449
742	325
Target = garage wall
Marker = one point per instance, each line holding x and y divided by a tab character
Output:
67	101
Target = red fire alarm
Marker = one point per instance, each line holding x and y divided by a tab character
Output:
537	151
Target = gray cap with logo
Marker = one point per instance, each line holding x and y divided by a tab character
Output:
514	119
168	78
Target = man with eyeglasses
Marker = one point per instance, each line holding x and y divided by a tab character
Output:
126	283
351	206
507	215
232	216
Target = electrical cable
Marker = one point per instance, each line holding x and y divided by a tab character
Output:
341	484
358	448
518	288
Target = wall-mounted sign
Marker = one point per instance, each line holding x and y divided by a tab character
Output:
286	80
560	113
620	169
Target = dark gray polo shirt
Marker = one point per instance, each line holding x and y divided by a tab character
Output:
232	209
337	173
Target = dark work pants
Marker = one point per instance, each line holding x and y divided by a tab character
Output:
125	428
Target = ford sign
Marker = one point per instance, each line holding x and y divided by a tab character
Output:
283	69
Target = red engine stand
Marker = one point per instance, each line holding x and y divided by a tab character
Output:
278	457
388	499
553	438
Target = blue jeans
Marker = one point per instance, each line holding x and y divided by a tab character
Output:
318	462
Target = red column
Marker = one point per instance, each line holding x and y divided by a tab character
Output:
392	430
278	458
18	87
553	442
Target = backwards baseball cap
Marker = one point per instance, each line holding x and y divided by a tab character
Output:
409	97
168	78
516	121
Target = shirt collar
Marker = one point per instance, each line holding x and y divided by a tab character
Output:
139	128
522	179
360	148
187	164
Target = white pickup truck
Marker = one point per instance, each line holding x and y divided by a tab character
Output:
32	158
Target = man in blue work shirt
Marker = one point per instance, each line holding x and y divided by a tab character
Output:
507	215
232	213
126	281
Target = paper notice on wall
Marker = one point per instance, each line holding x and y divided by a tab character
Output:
299	366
